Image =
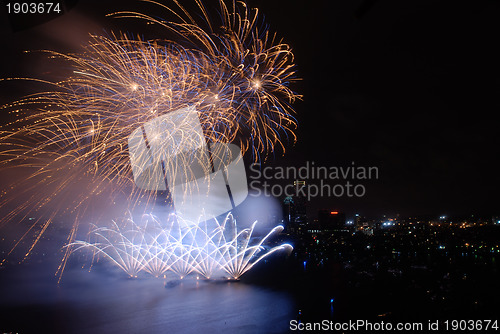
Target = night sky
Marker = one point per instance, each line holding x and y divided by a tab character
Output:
408	86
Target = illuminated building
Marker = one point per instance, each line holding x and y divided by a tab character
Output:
331	221
295	209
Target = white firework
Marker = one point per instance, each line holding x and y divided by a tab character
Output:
209	248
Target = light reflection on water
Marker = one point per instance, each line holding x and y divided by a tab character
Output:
98	302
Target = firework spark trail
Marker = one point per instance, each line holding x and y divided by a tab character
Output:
253	69
179	246
234	75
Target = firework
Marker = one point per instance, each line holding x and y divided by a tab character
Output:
75	136
249	82
210	249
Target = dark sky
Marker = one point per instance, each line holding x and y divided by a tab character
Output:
408	86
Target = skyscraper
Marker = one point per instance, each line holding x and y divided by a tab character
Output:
295	209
